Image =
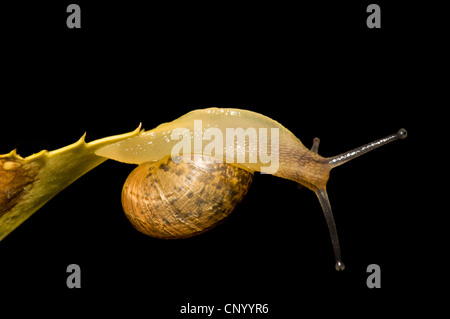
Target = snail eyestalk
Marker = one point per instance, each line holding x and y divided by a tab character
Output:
326	207
322	193
347	156
315	146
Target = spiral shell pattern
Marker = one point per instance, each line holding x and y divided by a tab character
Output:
171	200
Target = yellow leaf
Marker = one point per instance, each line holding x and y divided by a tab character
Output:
26	184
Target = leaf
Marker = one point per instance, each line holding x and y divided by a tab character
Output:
26	184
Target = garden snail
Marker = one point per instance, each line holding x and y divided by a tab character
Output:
174	194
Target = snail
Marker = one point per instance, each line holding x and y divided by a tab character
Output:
181	188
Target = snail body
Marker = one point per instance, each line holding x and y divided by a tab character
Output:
153	145
167	197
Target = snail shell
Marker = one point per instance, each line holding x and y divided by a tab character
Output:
171	200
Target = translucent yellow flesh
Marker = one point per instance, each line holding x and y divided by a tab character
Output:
156	144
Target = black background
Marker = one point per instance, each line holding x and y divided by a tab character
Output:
315	68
